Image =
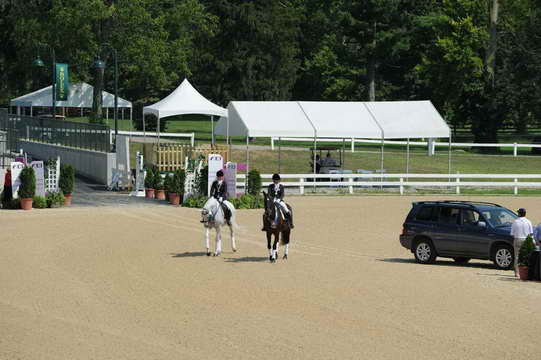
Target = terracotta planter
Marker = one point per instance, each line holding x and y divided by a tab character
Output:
175	199
160	194
26	204
67	199
523	273
149	193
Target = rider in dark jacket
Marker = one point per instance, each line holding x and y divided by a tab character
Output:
276	193
218	190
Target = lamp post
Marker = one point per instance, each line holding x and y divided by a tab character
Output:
99	64
39	63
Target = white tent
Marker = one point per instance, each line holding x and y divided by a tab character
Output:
184	100
80	96
339	120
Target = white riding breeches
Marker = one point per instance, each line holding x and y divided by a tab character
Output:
283	205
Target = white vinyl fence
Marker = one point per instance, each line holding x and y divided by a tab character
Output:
352	143
400	181
190	136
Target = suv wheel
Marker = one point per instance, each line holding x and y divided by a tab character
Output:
503	257
461	260
424	252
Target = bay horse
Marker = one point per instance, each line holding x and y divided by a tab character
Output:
275	224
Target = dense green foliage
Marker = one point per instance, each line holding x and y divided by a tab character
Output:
254	182
201	181
55	199
27	189
248	201
525	250
195	202
67	179
149	178
441	50
39	202
177	184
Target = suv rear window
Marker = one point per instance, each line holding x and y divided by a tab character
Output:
426	213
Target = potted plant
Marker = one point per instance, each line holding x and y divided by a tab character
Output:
167	185
27	190
158	186
55	199
66	182
149	183
526	249
178	187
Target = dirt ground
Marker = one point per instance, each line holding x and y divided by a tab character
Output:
134	283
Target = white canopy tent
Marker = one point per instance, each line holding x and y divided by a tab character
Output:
184	100
80	96
335	120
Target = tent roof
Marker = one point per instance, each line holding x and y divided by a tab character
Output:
80	96
409	119
388	119
265	119
184	100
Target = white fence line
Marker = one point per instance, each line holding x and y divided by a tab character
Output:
162	135
422	143
351	181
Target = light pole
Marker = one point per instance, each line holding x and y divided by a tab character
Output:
99	64
39	63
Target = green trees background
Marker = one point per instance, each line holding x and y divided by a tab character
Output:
477	60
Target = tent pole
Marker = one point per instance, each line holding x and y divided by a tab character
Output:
449	156
343	161
279	155
314	160
382	150
212	127
144	129
408	159
247	163
158	130
227	138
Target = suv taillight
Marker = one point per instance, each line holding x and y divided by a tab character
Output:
404	231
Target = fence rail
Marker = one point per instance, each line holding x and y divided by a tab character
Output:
352	143
401	181
191	136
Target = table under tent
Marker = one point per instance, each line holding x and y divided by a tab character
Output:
334	120
184	100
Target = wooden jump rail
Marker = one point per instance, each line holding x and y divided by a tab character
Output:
171	157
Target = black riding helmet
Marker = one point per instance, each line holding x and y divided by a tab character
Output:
219	173
275	177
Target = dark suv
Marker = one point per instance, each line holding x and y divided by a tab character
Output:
461	230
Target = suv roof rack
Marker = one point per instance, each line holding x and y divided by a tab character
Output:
463	202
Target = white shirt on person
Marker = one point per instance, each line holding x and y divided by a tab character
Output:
521	228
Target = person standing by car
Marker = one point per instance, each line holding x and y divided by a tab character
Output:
521	228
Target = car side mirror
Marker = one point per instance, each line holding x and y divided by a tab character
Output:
482	224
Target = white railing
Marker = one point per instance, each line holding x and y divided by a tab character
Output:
191	136
351	181
352	143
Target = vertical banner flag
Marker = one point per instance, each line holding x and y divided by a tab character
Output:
40	177
231	179
62	82
216	162
16	168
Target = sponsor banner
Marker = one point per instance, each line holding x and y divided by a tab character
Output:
16	168
62	82
40	177
216	162
231	179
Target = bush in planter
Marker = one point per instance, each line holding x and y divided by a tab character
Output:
195	202
27	190
248	201
158	180
254	182
67	179
178	182
55	199
168	183
525	250
201	182
39	202
149	178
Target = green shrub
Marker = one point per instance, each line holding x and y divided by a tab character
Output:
525	250
28	183
195	202
202	180
158	180
149	178
254	182
168	183
67	179
39	202
248	201
55	199
177	184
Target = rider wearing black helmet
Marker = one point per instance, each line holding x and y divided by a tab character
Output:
276	193
218	190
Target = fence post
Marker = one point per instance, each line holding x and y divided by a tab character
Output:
272	143
27	132
515	149
516	187
401	186
352	145
351	185
457	185
301	187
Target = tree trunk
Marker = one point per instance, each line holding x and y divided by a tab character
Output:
97	113
490	58
372	78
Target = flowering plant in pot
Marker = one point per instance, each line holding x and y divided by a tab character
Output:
149	183
178	187
27	190
158	186
66	182
526	249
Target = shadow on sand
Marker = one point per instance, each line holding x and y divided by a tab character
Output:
247	259
440	263
189	254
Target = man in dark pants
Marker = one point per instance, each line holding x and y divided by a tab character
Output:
218	190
